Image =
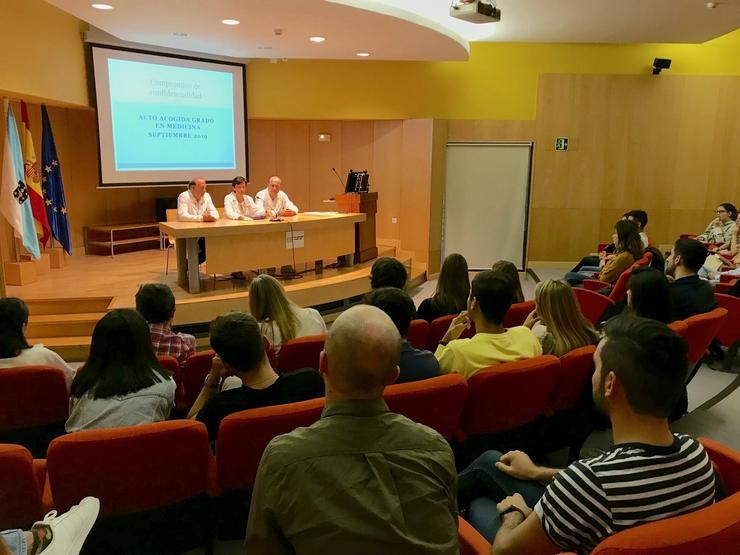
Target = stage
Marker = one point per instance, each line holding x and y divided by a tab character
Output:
66	303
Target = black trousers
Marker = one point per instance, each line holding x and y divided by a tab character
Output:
201	250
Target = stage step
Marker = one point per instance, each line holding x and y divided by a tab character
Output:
37	307
62	325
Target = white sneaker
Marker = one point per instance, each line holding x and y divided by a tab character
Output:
70	529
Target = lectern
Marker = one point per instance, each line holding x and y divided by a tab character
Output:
361	203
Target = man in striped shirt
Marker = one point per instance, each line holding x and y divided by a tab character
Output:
650	474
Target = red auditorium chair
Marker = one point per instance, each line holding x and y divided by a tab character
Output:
517	314
34	405
417	334
434	402
439	327
592	304
618	292
729	333
702	328
301	352
680	327
470	541
151	480
726	281
194	374
574	379
173	367
726	461
21	483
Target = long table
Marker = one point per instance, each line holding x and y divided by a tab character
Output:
233	245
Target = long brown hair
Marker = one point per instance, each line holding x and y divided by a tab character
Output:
558	309
453	285
628	238
268	304
509	271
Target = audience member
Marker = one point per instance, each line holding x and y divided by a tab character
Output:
557	320
649	474
55	535
649	295
691	294
195	205
240	352
238	205
361	480
122	382
280	318
490	299
414	364
508	270
275	202
639	218
14	348
628	249
452	291
388	272
719	230
156	303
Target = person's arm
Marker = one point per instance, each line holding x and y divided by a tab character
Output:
706	235
210	208
256	211
290	209
612	269
59	362
183	210
210	387
521	530
231	211
517	464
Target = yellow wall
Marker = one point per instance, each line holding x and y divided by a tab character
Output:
42	53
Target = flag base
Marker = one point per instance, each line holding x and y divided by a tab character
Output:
56	257
43	264
20	273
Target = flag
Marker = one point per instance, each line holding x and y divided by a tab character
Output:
51	184
33	182
14	202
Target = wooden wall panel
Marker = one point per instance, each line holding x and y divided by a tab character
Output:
388	170
415	187
323	157
262	153
293	159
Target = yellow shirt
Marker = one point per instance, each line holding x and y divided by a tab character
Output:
467	356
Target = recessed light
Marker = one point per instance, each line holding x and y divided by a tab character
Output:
101	6
363	54
711	5
230	21
180	34
317	39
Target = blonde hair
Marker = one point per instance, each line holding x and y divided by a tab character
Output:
558	309
268	304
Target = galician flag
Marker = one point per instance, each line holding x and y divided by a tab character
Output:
33	182
14	202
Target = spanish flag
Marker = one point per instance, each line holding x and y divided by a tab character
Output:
33	182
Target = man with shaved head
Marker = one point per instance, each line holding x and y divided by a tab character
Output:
362	479
274	201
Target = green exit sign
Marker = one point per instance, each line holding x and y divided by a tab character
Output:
561	143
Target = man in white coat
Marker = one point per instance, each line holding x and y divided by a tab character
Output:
195	205
274	201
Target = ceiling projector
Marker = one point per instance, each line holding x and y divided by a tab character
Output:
475	11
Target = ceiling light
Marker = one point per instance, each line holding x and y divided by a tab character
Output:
230	21
363	54
711	5
101	6
317	39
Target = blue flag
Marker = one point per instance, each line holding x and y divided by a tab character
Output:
52	187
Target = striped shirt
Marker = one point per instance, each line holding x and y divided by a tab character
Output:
631	484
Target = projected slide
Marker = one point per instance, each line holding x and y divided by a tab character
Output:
171	118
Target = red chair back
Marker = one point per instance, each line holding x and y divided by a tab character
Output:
434	402
713	529
19	489
243	436
438	328
417	334
130	469
509	395
517	313
574	380
32	396
680	327
729	332
726	461
194	374
173	367
619	291
702	328
646	259
470	540
592	304
301	352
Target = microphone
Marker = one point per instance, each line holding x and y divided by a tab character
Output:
338	177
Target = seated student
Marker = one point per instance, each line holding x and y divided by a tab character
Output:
388	272
156	303
691	294
509	271
414	364
640	219
724	258
719	230
557	320
649	474
238	205
649	295
122	383
14	348
362	480
280	318
490	298
452	291
628	249
240	352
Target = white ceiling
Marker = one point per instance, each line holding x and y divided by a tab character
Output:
396	29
